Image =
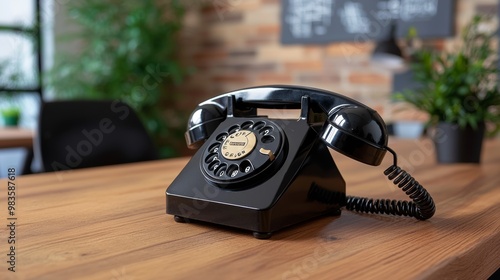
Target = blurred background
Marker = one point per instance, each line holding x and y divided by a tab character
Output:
164	57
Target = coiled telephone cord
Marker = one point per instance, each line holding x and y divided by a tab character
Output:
421	207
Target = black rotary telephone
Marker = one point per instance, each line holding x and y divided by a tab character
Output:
261	174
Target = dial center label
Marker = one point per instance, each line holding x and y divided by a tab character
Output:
239	144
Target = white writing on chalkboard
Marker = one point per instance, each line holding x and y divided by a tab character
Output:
418	9
307	18
324	21
406	10
388	10
354	18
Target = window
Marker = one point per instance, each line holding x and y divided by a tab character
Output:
21	58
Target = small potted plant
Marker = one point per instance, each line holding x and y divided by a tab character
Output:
10	112
10	116
459	91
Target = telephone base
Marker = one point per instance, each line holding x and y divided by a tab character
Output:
267	203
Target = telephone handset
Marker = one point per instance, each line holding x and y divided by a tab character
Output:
262	174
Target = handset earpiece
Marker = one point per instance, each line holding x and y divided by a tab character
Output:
357	132
202	122
205	119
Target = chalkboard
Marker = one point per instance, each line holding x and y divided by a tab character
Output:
324	21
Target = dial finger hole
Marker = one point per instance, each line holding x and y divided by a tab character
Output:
214	148
259	125
213	165
232	170
233	129
266	130
267	139
221	137
246	166
211	157
221	170
247	124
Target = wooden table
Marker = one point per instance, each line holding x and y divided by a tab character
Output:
110	223
16	137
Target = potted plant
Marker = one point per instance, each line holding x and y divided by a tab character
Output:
459	91
10	111
128	52
10	116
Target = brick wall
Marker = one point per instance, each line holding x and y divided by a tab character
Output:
236	43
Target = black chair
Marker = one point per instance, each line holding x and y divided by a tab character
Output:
80	134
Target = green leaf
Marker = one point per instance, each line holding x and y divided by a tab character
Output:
460	86
121	41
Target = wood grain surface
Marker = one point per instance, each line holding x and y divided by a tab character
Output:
110	223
